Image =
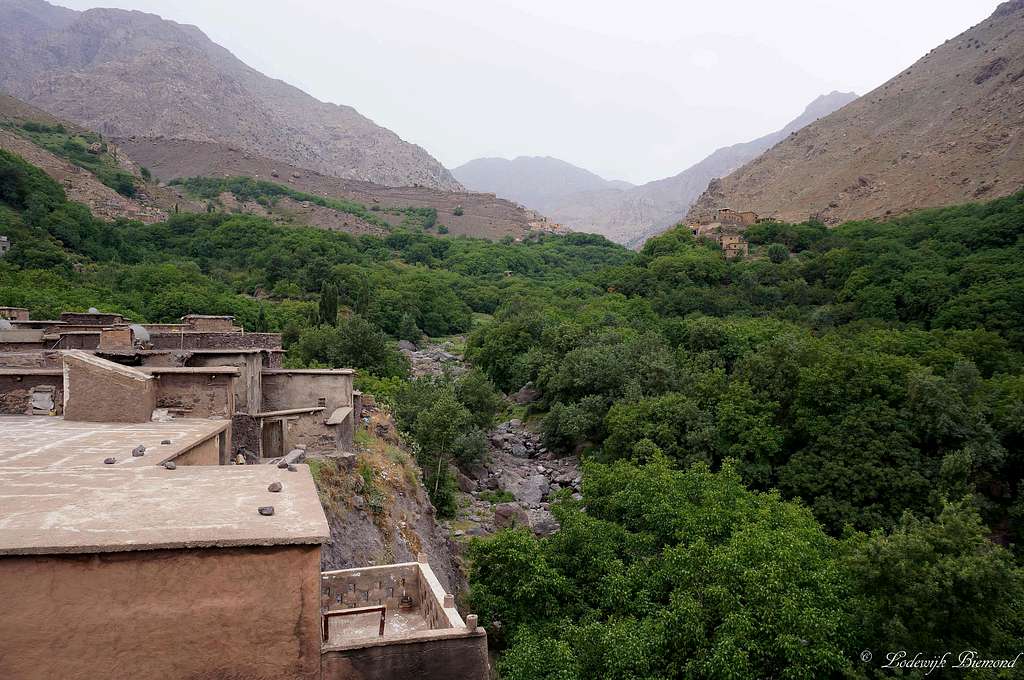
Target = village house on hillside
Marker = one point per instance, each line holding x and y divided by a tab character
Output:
157	520
725	230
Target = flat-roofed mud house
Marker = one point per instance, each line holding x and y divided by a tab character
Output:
140	539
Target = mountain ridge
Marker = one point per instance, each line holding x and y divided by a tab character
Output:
945	130
533	181
127	73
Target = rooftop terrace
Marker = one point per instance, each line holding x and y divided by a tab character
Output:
85	510
51	442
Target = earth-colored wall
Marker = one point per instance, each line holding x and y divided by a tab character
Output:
428	657
206	453
128	396
204	340
197	395
248	394
287	390
16	392
204	614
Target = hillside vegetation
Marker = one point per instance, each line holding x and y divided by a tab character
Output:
789	459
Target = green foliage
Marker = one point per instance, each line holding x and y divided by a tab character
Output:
673	574
327	311
353	343
419	218
937	585
778	253
84	149
668	574
477	393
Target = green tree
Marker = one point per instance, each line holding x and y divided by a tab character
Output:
778	253
936	585
328	311
438	430
354	343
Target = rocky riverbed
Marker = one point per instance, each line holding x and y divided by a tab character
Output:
517	480
514	485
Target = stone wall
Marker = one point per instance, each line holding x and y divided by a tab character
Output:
202	614
215	324
14	313
92	318
201	340
16	392
245	434
85	340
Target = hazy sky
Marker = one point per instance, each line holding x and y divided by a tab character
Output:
633	90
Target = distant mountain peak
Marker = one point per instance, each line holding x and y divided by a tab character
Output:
629	214
536	182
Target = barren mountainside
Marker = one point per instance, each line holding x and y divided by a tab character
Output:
130	73
948	129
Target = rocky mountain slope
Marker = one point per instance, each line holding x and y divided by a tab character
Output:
627	214
60	148
948	129
538	182
462	213
130	73
80	184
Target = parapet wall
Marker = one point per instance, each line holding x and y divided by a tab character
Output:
97	390
445	648
203	340
422	656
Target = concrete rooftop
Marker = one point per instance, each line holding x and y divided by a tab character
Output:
52	442
86	510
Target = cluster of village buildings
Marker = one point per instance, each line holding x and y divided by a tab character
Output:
726	229
157	520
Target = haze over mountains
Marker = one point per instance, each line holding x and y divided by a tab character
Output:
948	129
128	73
628	214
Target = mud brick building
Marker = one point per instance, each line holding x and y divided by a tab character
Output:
156	520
